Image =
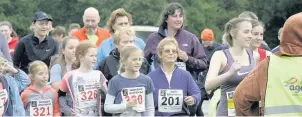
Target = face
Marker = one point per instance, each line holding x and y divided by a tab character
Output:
207	43
72	30
58	38
6	31
169	53
90	57
69	50
257	36
41	27
121	22
134	62
91	22
175	21
126	40
40	77
243	34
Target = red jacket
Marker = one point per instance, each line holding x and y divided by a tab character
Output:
12	45
101	33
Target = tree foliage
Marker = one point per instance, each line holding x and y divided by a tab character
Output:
200	14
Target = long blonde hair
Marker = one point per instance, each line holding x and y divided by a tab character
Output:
125	54
81	51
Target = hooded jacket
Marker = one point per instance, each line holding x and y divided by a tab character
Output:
109	66
253	88
188	42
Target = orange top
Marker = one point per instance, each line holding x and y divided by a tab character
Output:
28	93
101	33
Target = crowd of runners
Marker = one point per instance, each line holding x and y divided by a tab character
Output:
94	71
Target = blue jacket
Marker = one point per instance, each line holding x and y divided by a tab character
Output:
107	46
14	84
180	80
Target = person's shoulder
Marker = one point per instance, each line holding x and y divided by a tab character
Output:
187	33
26	38
56	66
103	30
116	78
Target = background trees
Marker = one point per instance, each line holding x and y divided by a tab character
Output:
200	14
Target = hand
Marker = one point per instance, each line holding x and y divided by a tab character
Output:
183	56
10	69
131	103
189	100
235	67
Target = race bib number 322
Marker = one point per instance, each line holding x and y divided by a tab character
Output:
136	93
170	100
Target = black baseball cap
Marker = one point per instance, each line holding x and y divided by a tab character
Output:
40	15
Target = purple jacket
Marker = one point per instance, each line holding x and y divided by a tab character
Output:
180	80
187	42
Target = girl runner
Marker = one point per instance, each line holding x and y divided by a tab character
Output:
62	63
229	67
257	32
80	90
130	93
12	82
39	99
175	88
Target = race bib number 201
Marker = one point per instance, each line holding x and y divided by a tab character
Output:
136	93
41	107
170	100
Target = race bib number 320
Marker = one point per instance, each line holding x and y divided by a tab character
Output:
170	100
136	93
41	107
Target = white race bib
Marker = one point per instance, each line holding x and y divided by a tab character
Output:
138	93
181	65
170	100
3	99
231	105
87	94
41	107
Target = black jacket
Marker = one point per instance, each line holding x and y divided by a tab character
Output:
29	49
110	64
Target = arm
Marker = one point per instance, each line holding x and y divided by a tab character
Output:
67	110
251	90
24	95
194	90
19	51
100	55
149	105
213	80
56	105
22	80
198	60
5	48
110	107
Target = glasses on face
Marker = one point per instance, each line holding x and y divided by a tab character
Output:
168	51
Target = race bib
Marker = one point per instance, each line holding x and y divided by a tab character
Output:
3	99
181	65
87	95
137	93
231	105
41	107
170	100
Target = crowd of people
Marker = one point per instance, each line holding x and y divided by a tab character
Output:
94	71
